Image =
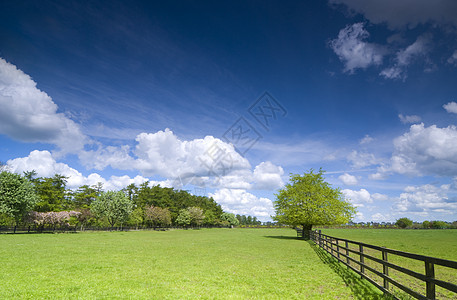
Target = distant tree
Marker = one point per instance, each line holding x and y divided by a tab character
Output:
196	215
114	206
309	200
84	196
404	222
184	218
157	216
52	193
438	225
17	196
426	224
229	219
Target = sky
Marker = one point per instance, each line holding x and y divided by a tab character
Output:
228	98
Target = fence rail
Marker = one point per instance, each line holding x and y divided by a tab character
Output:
360	258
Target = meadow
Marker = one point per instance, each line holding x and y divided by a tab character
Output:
435	243
175	264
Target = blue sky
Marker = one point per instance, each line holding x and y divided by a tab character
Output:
228	98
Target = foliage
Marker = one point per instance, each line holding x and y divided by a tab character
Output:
248	220
439	225
114	206
157	216
52	193
229	219
184	218
84	196
404	222
17	196
426	224
196	215
309	200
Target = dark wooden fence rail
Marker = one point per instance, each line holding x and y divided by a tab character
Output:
341	249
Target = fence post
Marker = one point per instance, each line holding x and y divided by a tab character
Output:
430	273
347	253
385	269
338	248
320	238
362	260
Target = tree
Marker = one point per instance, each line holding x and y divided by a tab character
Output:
114	206
17	196
404	222
157	216
309	200
426	224
184	218
83	196
52	193
196	215
229	219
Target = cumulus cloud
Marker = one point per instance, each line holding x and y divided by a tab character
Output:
425	200
351	48
267	176
409	119
348	179
239	201
451	107
30	115
358	198
424	151
406	13
46	166
362	159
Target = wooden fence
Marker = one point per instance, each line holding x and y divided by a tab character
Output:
381	267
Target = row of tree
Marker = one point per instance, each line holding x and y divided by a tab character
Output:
27	198
408	223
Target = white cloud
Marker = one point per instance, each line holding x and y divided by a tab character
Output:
268	176
405	57
241	202
453	59
425	200
406	13
409	119
351	48
366	140
378	217
46	166
348	179
358	198
451	107
426	150
28	114
423	151
362	159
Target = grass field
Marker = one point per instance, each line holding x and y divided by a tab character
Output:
176	264
435	243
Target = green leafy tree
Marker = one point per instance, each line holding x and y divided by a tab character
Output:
17	196
184	218
229	219
114	206
404	222
309	200
52	193
426	224
84	196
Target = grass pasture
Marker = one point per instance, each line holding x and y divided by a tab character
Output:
435	243
176	264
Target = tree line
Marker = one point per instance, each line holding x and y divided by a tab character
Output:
46	201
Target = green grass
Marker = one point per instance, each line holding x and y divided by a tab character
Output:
177	264
435	243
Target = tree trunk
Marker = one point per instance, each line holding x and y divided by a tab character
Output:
306	229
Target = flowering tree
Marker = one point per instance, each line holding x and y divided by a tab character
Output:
158	216
52	217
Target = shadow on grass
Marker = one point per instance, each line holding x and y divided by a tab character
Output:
361	288
281	237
